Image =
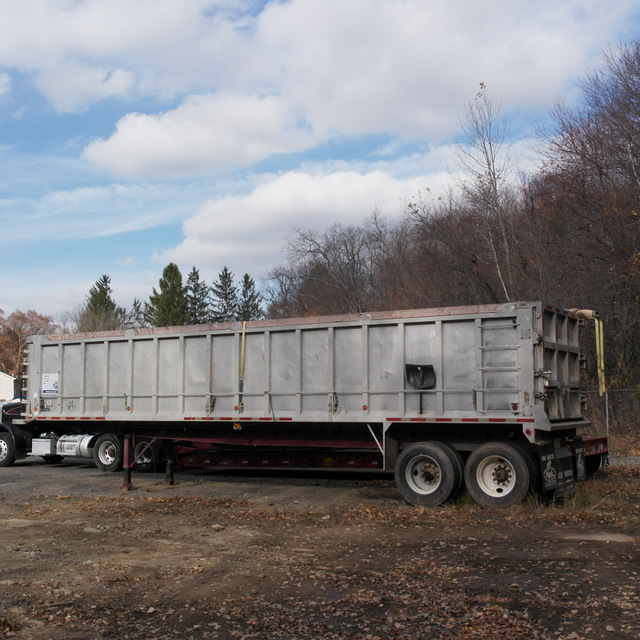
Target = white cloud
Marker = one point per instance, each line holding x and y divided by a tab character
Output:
247	233
303	72
72	86
92	212
165	45
5	84
205	134
399	66
354	66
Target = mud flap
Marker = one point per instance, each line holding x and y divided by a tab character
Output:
557	470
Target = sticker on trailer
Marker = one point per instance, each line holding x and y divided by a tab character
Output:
50	382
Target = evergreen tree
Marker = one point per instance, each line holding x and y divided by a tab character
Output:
198	304
250	303
100	312
225	297
168	307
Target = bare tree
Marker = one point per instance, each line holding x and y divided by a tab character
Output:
484	155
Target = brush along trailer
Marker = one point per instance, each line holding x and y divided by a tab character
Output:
485	398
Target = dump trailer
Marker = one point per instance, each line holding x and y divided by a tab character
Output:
484	398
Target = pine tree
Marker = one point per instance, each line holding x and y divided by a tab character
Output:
168	307
100	312
198	303
250	303
225	297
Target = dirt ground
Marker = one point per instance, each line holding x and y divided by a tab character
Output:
294	556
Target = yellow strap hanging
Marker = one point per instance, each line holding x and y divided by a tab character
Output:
243	344
600	355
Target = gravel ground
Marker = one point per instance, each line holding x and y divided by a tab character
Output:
286	556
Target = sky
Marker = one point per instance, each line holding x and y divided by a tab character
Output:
134	133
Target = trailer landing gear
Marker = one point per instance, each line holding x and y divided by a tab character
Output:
146	449
128	462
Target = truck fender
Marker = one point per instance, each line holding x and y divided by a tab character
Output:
20	439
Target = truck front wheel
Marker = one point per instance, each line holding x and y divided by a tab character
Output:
7	450
107	452
497	474
426	475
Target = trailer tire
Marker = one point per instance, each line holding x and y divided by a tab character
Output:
426	474
458	467
152	460
535	476
107	452
7	450
53	459
497	474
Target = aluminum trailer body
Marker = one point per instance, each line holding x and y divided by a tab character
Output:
488	396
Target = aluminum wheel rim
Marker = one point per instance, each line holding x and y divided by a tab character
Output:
107	453
4	450
424	475
147	457
496	476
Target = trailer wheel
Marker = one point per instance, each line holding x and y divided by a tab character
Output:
458	466
107	452
54	459
426	474
152	459
533	463
497	474
7	450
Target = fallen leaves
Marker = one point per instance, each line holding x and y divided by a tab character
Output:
199	567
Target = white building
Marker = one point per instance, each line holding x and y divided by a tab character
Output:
6	387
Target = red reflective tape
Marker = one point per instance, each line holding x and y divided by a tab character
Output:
286	419
269	419
526	420
393	419
417	419
227	418
444	419
469	420
100	418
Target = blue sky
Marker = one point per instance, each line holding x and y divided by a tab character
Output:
138	132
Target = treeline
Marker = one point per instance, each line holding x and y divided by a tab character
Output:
174	303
